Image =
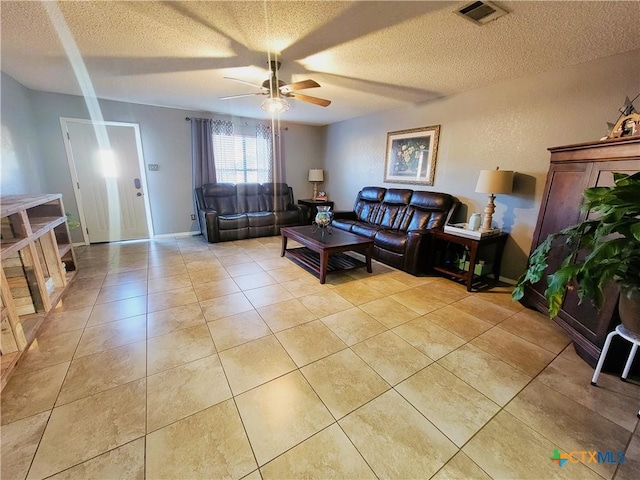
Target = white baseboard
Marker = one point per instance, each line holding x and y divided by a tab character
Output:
163	235
178	234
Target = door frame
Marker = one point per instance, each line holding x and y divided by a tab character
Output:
64	121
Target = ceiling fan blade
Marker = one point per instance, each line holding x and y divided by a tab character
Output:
244	81
309	99
299	85
241	95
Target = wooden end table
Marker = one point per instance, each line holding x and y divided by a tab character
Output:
442	240
323	253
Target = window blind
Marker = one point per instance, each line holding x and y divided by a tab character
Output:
242	155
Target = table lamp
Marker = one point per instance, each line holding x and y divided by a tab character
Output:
492	182
316	175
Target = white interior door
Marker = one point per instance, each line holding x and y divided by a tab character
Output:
110	186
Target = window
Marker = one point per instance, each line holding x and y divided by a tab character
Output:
242	154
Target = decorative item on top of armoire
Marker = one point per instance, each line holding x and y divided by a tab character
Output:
573	169
628	123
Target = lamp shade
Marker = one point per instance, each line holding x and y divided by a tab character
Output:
316	175
495	181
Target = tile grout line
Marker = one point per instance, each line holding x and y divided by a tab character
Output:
299	369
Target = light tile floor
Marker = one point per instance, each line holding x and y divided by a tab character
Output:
179	359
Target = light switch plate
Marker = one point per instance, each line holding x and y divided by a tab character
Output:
154	167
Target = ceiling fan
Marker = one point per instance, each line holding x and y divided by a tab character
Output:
278	90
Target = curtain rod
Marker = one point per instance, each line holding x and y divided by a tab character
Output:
244	123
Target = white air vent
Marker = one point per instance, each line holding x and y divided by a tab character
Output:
481	12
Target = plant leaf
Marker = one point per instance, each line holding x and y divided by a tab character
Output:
635	231
557	286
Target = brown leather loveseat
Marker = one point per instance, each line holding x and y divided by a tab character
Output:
399	221
233	212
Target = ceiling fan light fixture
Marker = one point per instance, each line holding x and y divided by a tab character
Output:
275	105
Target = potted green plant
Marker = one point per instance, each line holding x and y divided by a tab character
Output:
600	249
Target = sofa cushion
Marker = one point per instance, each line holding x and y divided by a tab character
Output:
230	222
276	196
262	231
394	241
397	196
368	203
234	234
343	223
392	209
416	219
250	198
431	200
287	217
428	210
261	219
365	229
220	197
372	194
391	216
368	212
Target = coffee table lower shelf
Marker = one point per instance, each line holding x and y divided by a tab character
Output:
311	260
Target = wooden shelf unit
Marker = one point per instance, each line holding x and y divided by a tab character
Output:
38	263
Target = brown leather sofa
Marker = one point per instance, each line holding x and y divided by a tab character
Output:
399	221
247	210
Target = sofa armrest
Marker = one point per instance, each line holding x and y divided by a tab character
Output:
208	218
303	212
455	206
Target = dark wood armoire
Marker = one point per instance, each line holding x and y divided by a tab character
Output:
574	168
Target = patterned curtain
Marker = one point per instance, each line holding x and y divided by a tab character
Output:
265	154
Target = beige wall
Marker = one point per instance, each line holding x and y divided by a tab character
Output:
510	125
20	155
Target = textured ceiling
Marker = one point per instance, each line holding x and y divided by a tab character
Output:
368	56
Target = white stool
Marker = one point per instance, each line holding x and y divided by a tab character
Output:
634	338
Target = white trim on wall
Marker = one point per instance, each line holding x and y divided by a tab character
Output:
178	234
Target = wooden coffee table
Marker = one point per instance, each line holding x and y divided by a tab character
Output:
323	253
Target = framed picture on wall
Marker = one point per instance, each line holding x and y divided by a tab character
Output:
411	155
